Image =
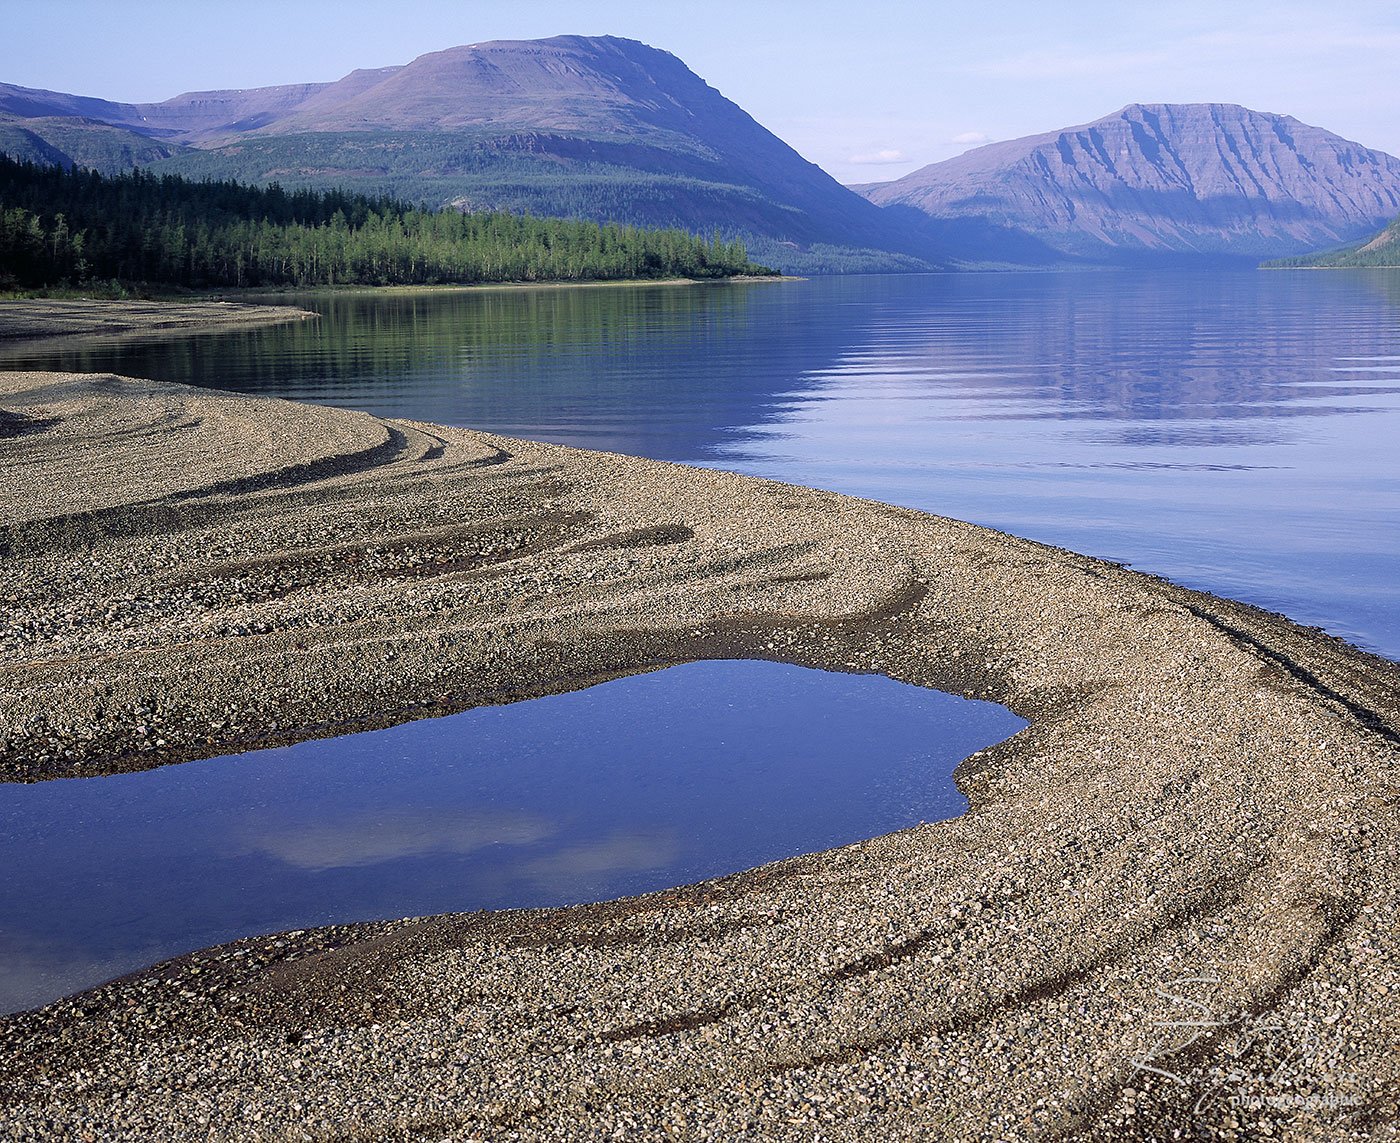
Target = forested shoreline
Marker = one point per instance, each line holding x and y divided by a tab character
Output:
1380	252
70	227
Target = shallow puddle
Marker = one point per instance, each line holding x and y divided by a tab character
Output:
637	784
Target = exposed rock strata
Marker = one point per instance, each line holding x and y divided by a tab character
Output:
1200	824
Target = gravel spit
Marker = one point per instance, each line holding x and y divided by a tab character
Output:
1170	912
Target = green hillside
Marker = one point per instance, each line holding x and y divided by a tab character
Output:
80	142
598	179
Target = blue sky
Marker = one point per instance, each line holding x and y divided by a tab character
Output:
870	90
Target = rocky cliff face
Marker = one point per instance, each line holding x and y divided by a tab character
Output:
1183	178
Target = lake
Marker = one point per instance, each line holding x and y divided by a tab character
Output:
1230	430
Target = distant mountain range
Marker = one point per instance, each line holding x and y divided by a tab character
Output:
611	129
1160	180
602	128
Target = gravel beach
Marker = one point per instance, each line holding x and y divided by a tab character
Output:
42	318
1170	913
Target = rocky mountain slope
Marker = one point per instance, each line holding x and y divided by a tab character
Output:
596	127
1162	179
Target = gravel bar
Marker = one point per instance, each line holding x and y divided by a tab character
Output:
65	318
1170	912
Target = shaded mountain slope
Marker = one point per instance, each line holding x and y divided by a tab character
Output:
1163	179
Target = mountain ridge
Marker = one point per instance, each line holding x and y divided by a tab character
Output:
596	127
610	129
1213	179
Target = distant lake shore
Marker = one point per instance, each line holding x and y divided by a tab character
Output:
473	287
41	317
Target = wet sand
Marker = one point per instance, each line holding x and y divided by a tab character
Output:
1169	913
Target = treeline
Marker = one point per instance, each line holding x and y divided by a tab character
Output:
70	227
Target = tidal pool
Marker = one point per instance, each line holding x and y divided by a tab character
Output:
636	784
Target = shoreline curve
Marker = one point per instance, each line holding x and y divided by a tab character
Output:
1201	818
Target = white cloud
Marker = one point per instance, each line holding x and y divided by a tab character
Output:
1315	40
971	137
878	158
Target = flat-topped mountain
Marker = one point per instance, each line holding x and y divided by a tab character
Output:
1199	178
596	127
186	118
571	84
613	130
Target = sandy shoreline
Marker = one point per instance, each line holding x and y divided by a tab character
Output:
1199	825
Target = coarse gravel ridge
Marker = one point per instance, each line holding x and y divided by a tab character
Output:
1170	912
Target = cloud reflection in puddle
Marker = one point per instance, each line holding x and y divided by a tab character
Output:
373	837
625	852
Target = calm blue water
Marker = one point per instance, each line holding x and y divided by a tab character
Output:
1231	430
637	784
